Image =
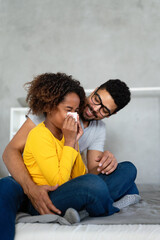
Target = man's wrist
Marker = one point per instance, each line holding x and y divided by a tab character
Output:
27	185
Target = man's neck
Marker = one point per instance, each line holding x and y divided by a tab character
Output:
85	123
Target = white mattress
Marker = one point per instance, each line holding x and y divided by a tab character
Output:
137	222
38	231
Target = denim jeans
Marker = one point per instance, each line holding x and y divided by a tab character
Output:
94	193
88	191
121	181
12	199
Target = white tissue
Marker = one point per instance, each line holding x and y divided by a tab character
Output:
73	114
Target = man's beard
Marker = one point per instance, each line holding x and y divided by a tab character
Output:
92	111
84	119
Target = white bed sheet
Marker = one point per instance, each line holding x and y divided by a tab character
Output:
137	222
38	231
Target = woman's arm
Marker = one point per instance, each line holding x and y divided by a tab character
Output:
47	159
78	168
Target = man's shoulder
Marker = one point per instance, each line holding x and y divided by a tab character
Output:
40	132
97	124
36	119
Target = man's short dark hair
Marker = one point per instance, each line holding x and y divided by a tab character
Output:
119	91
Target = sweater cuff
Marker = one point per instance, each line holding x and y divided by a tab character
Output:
71	151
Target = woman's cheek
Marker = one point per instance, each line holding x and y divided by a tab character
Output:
63	117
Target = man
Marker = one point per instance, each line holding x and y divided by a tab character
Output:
105	101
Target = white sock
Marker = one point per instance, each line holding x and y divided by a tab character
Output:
127	200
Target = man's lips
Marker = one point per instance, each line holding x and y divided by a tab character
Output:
90	112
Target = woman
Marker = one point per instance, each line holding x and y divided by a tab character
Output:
51	152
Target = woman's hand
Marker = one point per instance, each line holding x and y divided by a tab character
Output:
69	130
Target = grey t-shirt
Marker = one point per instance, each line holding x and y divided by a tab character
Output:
93	137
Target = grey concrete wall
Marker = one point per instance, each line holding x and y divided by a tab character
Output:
93	40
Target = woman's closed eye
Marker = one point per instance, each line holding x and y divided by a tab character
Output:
70	109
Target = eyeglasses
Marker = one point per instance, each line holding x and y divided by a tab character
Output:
104	111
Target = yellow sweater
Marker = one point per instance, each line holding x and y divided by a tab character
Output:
48	160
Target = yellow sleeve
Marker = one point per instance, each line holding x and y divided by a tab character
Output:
78	168
55	163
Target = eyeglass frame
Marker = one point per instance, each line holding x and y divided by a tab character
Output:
102	106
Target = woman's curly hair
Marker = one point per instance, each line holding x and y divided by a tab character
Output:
47	90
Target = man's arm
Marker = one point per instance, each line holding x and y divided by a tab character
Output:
97	160
13	160
101	162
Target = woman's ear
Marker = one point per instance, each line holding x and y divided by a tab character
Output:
47	110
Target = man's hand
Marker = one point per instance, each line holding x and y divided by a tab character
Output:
38	195
79	128
107	163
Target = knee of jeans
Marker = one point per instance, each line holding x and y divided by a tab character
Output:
9	187
131	168
95	184
91	178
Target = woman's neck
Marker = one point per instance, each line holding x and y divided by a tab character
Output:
53	129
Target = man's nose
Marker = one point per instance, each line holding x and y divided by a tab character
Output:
96	108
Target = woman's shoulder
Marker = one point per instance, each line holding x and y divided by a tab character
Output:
40	135
40	130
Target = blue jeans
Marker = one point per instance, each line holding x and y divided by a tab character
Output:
88	191
94	193
12	199
121	181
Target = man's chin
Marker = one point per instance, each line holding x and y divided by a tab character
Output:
87	119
